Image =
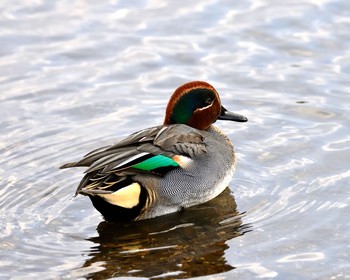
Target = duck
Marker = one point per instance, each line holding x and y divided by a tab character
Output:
167	168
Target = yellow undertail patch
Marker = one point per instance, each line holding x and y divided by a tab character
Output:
126	197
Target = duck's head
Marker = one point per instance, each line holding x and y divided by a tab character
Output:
198	105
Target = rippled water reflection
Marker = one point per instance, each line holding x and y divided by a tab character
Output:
76	75
182	245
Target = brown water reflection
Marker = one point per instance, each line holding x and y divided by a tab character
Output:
180	245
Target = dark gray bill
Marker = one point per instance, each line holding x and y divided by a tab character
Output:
229	116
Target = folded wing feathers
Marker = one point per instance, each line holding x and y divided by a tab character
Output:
160	140
188	141
114	158
109	165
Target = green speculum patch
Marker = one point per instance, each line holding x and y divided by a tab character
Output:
155	162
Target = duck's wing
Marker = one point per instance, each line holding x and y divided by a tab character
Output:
120	148
155	150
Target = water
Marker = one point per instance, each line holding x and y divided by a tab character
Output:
76	75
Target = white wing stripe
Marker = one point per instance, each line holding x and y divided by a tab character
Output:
159	133
131	159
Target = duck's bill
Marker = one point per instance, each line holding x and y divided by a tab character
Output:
230	116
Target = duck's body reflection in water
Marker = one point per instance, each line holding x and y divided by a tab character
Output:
181	245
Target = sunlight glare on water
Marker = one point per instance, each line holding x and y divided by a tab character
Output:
77	75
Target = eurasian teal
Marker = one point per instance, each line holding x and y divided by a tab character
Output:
163	169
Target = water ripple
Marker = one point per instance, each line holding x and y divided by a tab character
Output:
75	76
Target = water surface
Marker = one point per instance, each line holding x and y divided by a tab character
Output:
76	75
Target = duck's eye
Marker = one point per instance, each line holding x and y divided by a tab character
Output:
208	100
